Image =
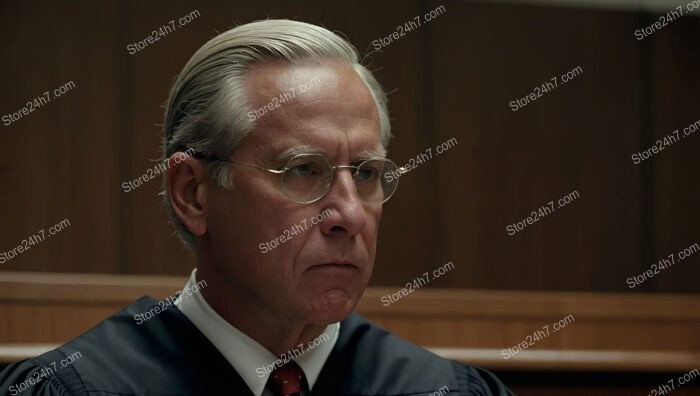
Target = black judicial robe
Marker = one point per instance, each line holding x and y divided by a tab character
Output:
168	355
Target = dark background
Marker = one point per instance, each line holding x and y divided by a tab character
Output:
451	78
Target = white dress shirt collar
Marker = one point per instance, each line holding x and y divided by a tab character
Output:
247	356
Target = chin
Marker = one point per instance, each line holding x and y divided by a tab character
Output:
332	306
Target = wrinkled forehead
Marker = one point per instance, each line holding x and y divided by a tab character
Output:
312	107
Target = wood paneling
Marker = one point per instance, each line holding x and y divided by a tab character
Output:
451	78
623	344
502	319
511	163
676	169
60	161
606	331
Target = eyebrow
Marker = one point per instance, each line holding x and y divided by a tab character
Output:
297	150
378	151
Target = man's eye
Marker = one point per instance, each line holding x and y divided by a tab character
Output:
307	169
366	174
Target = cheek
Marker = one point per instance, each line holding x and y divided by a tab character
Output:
235	229
375	218
249	213
219	217
371	232
279	234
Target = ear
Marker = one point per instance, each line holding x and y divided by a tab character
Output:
188	184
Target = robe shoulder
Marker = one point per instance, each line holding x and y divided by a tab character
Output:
127	354
368	360
130	353
37	377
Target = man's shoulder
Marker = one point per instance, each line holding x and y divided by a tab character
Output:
382	363
148	345
381	345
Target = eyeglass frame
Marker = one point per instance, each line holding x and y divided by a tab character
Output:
281	172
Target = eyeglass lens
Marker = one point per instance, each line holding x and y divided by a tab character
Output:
308	177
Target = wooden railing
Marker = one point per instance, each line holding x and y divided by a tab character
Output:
604	332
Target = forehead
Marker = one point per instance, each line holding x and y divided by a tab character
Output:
326	106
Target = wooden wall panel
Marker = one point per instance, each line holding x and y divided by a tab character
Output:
618	332
451	78
675	170
154	249
60	161
408	240
511	163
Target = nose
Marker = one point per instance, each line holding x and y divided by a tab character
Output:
348	216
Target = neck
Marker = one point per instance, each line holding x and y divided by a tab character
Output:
278	334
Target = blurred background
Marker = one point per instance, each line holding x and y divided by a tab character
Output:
473	77
453	77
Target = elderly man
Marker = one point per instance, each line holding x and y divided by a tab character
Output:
281	137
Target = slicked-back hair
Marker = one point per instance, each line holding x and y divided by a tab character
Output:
207	106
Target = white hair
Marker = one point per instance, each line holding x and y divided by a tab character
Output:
207	106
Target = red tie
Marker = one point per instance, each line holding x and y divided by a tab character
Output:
286	380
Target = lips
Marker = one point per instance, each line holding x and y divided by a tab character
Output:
337	263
